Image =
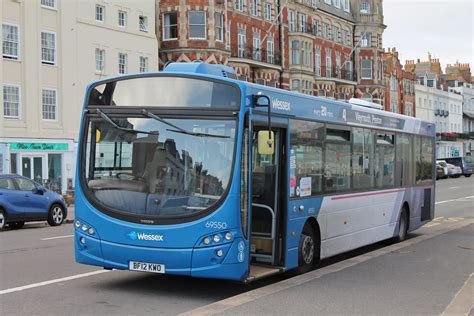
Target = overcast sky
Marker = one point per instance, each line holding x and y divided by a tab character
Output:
442	27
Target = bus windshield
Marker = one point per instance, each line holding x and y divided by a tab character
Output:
150	167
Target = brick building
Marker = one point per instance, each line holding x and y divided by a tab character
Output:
400	92
329	48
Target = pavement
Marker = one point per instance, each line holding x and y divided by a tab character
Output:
431	273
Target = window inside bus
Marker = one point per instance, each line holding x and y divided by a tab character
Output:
338	159
152	168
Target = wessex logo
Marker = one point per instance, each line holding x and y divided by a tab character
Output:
281	105
144	236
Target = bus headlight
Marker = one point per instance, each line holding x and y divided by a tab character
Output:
84	227
228	236
91	231
219	253
217	238
78	223
207	241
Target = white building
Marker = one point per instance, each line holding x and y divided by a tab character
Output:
467	92
445	110
51	50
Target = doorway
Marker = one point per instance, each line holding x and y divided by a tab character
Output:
32	167
268	206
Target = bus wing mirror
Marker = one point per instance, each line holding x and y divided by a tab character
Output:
261	100
266	143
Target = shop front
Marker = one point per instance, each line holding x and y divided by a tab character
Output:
50	162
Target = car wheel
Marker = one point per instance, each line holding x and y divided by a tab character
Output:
56	215
17	225
402	225
468	175
307	250
3	220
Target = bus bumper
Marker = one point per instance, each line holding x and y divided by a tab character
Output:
225	261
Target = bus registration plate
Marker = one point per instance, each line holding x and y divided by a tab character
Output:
146	267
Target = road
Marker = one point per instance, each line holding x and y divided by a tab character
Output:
427	274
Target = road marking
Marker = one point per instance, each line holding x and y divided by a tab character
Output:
454	200
450	188
250	296
31	286
462	302
57	237
440	220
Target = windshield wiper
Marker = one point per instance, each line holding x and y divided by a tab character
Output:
126	129
177	128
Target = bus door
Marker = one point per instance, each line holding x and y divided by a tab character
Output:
267	200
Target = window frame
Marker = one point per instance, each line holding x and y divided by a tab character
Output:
143	27
54	7
101	14
124	19
55	105
125	65
143	67
205	25
12	57
362	69
170	26
55	61
219	28
101	71
10	117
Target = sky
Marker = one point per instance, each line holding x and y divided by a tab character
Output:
442	27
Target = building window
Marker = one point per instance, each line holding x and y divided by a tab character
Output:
327	1
338	64
197	25
257	49
268	12
337	3
270	50
48	48
260	81
99	60
335	34
318	62
295	85
219	27
302	23
11	39
254	4
48	3
143	23
292	21
328	62
122	63
122	18
11	101
393	83
143	64
366	40
325	30
316	28
348	70
239	5
170	26
346	38
228	39
99	13
346	5
366	69
365	8
367	97
295	52
241	42
49	104
307	54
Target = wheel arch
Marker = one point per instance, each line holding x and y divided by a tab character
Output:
406	207
316	230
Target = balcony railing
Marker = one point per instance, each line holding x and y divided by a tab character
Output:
336	72
257	54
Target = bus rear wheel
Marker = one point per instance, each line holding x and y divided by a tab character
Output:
402	225
307	249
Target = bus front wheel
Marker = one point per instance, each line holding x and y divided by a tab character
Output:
307	249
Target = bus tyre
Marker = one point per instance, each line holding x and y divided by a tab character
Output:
3	219
56	215
402	225
306	250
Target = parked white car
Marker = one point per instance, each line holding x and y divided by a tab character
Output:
444	165
454	171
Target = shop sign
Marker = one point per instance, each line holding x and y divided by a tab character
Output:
39	146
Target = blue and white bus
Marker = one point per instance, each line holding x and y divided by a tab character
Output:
192	172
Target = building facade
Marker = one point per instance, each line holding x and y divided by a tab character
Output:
467	93
400	85
330	48
51	50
